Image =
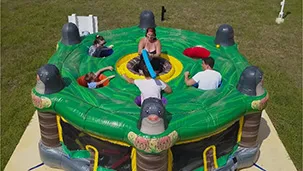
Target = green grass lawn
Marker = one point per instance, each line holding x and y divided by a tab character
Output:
31	29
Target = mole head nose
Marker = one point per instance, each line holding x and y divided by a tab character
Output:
153	117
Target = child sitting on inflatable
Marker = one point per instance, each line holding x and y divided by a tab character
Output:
98	49
93	80
208	79
149	87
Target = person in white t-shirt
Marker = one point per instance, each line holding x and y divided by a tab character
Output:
208	79
149	87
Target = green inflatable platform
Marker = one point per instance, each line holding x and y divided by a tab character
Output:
110	113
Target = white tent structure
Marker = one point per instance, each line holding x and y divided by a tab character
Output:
86	24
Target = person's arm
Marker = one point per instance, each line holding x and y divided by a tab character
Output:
107	78
141	46
188	82
103	69
129	80
104	48
101	51
165	87
158	49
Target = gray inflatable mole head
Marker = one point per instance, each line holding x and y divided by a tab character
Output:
152	117
49	80
70	34
147	20
225	35
251	81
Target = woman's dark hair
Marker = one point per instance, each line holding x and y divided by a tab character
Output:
99	39
153	30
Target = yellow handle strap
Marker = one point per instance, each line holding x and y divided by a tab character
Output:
96	156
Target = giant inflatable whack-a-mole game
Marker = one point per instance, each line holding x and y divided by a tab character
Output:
86	129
